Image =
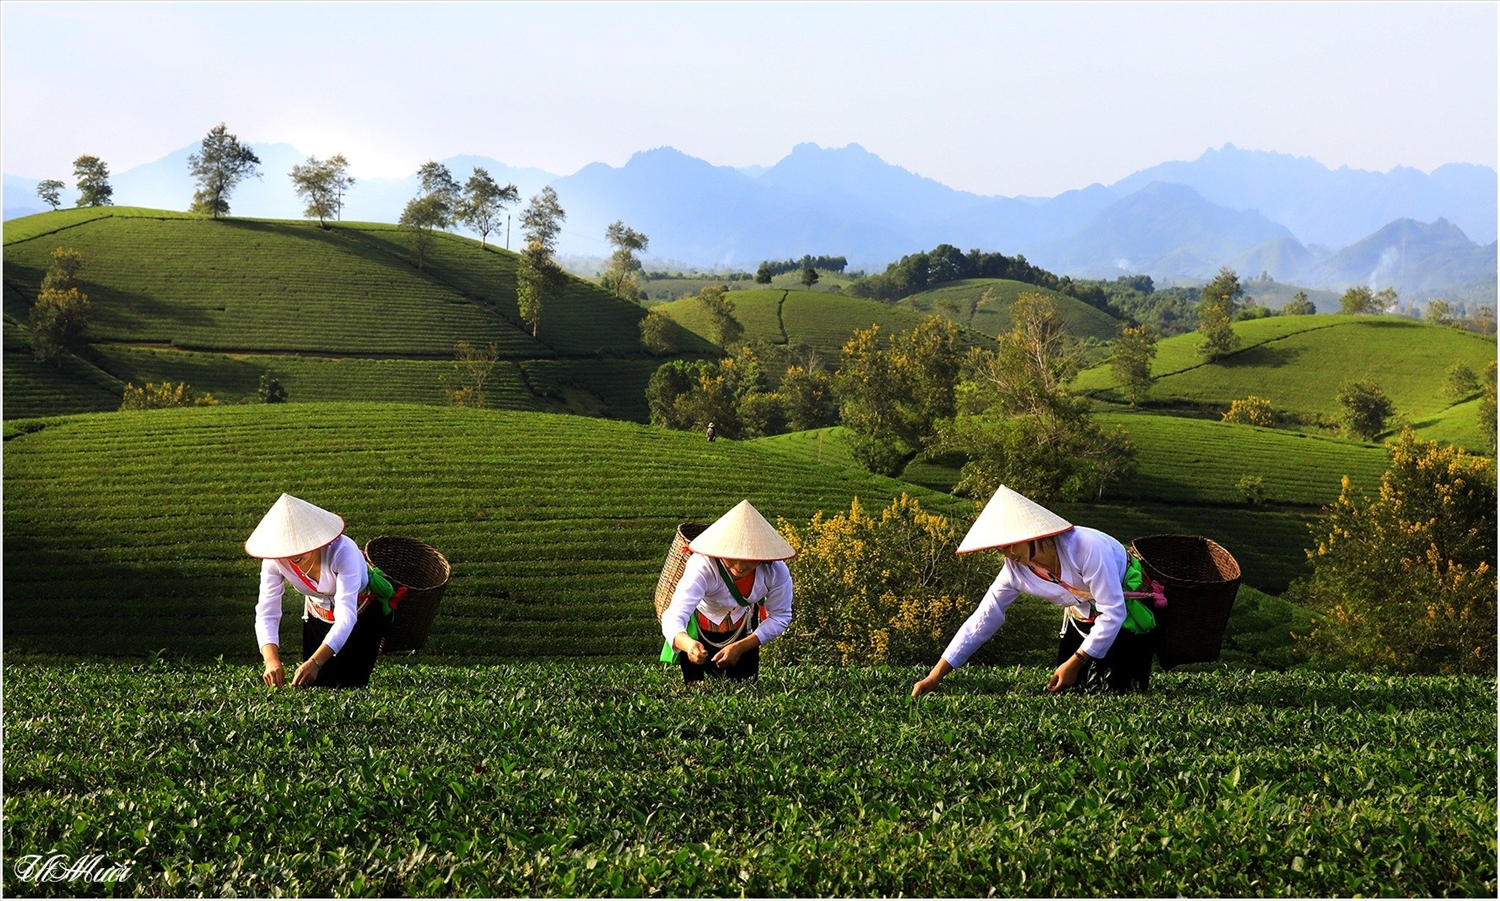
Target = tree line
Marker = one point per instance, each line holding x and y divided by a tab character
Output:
769	269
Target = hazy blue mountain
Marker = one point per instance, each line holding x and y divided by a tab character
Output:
717	215
1256	212
21	199
853	178
1417	259
1282	258
1167	230
1023	225
1330	207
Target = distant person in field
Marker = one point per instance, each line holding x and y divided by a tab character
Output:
735	595
346	607
711	433
1106	640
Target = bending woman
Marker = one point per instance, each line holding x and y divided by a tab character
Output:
342	622
734	596
1082	570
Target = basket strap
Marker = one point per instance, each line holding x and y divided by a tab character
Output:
734	590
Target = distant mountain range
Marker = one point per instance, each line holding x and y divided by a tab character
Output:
1426	235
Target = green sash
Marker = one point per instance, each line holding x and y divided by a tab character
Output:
1138	617
380	588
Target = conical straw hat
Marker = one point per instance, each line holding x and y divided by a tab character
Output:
742	534
1010	518
293	526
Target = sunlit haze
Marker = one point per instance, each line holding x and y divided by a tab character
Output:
994	98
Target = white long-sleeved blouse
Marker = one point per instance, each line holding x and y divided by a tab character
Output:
702	589
342	575
1089	559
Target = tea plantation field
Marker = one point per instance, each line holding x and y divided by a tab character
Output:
992	316
823	322
130	526
1298	363
337	313
569	780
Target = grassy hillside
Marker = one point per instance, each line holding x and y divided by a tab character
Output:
592	781
822	321
249	296
130	526
1299	363
1188	484
992	317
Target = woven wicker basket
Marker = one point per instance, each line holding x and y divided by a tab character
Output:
1200	579
676	562
425	572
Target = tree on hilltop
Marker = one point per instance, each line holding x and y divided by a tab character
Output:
91	177
894	391
482	202
323	183
438	183
218	167
60	314
715	303
1216	309
1299	305
1134	350
1361	300
50	190
435	208
1366	408
1020	425
539	278
620	278
1486	412
809	277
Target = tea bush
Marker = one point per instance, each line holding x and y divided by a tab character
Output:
546	780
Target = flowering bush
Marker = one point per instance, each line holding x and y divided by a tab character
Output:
1251	410
155	397
1405	580
877	589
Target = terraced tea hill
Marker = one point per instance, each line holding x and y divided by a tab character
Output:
824	322
992	317
129	527
260	286
1299	363
335	313
1200	461
568	780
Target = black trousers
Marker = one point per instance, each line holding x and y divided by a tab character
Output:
1125	667
747	667
351	667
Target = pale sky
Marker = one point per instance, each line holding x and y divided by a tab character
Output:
994	98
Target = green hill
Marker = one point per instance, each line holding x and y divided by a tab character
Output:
1300	362
344	306
824	322
128	527
992	317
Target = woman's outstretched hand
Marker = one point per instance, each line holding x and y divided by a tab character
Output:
924	686
933	679
1066	674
